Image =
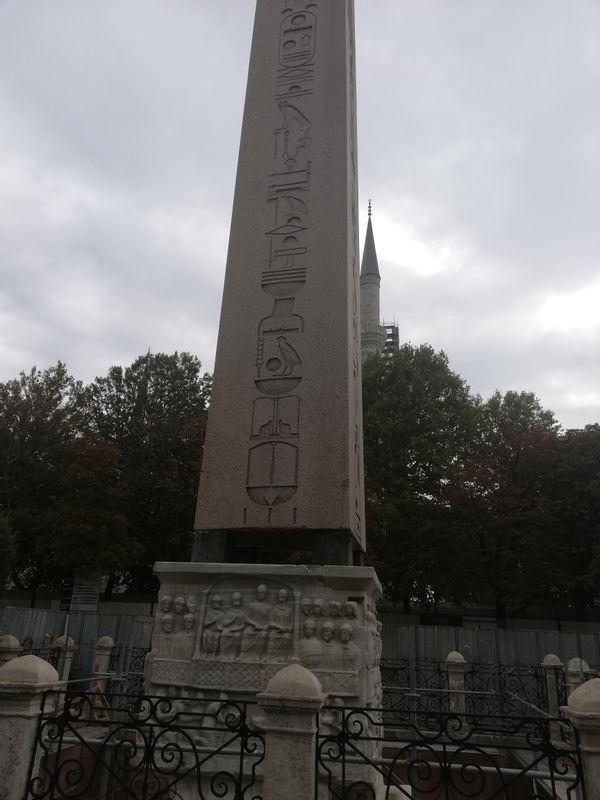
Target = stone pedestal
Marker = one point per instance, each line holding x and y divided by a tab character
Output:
290	704
22	681
10	647
231	627
455	663
584	712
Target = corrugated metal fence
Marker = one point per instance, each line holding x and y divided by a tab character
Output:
85	628
486	645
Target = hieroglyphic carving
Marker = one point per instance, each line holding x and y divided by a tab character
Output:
274	418
273	466
272	473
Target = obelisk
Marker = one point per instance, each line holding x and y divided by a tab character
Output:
282	466
282	478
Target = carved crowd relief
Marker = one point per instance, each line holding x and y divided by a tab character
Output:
178	617
272	473
236	634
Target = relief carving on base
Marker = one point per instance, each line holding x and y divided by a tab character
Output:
242	632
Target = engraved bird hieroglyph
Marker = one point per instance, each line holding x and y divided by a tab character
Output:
289	356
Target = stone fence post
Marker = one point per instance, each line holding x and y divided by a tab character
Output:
102	655
290	703
10	647
551	665
584	712
578	671
22	681
455	664
66	651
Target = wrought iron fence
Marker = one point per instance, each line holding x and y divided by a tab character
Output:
48	652
127	664
410	685
364	754
504	689
91	745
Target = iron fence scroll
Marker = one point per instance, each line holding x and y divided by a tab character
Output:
443	756
91	745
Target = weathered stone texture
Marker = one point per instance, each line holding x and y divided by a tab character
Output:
284	441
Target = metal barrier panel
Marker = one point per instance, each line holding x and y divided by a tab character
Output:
368	754
105	747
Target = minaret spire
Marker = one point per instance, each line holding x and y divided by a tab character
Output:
372	333
369	265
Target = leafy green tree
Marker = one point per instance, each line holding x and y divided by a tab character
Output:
7	551
40	414
419	419
574	487
499	500
155	413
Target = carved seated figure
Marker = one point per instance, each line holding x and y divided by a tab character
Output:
281	625
256	631
309	647
233	623
213	625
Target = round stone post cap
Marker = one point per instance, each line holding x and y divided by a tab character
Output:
9	642
578	665
454	657
295	681
551	660
28	670
586	698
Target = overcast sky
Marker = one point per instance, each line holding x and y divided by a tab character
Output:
479	142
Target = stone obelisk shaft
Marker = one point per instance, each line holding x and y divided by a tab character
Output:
283	448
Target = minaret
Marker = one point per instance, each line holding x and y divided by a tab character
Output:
372	334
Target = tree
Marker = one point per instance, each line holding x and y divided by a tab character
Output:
7	551
499	500
40	412
574	486
419	421
154	412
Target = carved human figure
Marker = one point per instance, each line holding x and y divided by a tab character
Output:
351	655
317	613
166	601
213	625
306	606
334	609
233	623
192	604
167	623
309	647
179	605
331	652
280	628
256	631
351	615
165	637
371	643
183	645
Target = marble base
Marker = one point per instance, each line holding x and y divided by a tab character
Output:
224	630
